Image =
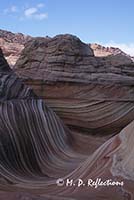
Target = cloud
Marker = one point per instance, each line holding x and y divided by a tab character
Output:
12	9
127	48
35	12
30	12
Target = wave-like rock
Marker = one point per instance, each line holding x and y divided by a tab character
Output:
36	149
34	143
89	93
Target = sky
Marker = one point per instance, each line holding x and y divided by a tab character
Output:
108	22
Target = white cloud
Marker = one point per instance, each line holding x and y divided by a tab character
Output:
35	12
30	12
127	48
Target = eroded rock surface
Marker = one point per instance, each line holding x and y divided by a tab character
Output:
36	149
12	44
101	51
91	93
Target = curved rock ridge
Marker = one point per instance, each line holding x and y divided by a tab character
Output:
36	149
35	145
32	138
89	93
113	162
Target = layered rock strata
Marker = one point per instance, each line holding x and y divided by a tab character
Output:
89	93
36	149
12	44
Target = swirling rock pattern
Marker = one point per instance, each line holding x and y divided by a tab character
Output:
32	138
89	93
36	148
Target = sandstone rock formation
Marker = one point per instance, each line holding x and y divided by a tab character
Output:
12	45
28	146
89	93
101	51
112	52
36	149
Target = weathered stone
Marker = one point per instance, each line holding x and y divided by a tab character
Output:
36	148
12	44
91	93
